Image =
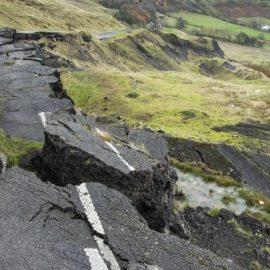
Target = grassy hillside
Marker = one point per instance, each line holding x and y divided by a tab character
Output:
135	51
64	15
184	100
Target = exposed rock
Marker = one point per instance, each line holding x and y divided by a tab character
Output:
254	173
200	46
240	238
133	95
87	154
229	66
252	129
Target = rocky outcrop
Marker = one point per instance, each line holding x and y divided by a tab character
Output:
88	154
200	45
86	227
249	168
36	35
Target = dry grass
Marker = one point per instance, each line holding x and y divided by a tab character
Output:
62	15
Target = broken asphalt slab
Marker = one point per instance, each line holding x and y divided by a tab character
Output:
88	154
85	227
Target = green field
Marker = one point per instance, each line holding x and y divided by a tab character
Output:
214	26
249	20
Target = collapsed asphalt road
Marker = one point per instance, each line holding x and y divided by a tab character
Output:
100	200
85	227
27	89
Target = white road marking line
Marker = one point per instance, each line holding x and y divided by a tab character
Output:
90	210
95	259
43	119
131	168
107	254
95	221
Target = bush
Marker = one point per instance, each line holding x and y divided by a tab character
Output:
180	23
244	39
121	15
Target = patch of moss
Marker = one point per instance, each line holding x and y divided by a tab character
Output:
14	149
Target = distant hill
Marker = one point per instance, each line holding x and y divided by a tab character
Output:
225	9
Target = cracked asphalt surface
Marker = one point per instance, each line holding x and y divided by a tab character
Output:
27	88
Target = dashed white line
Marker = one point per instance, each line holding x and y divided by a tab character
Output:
90	210
107	254
131	168
94	220
95	259
43	119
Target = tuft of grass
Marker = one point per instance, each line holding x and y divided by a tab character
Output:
255	199
255	265
105	136
207	174
14	149
9	63
141	147
228	199
266	249
214	212
241	229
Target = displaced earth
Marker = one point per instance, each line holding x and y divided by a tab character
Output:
100	195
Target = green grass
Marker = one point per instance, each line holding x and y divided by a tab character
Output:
255	199
248	20
240	228
163	96
14	149
212	25
207	174
213	212
245	54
